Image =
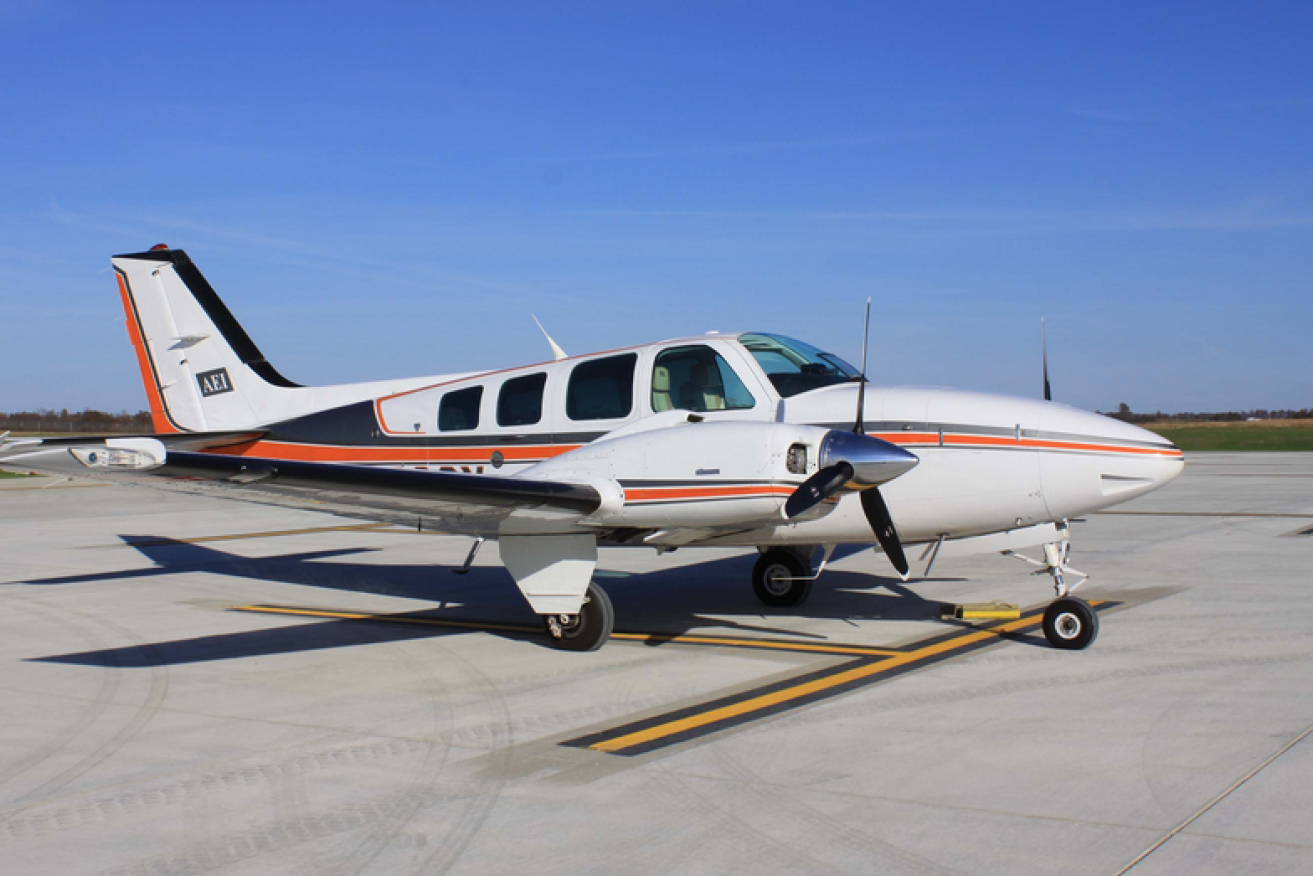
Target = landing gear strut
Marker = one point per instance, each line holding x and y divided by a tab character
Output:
589	629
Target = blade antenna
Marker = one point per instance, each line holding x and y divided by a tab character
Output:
557	353
1044	344
859	427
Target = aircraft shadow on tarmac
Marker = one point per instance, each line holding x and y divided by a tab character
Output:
666	602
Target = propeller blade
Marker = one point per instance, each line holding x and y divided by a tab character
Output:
817	488
877	514
859	428
1044	341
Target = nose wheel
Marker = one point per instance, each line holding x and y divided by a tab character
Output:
1070	624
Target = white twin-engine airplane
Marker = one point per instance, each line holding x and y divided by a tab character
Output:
727	439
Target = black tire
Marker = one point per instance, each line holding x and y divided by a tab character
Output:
767	575
1070	624
589	629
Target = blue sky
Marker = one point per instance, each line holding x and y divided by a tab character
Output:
382	190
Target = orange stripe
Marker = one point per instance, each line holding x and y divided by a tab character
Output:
653	494
159	419
932	438
329	453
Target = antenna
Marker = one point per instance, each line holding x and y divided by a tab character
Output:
859	427
557	353
1044	342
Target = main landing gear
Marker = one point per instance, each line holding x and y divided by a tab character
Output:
783	577
589	629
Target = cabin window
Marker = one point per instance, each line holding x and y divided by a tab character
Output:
696	378
459	410
520	402
602	389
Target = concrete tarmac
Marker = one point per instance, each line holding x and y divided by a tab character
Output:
198	685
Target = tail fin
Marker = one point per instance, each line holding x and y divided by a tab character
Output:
201	370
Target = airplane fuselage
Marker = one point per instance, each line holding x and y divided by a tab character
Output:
989	463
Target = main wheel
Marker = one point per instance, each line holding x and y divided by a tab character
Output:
589	629
1070	623
775	578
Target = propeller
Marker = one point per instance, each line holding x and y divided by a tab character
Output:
862	462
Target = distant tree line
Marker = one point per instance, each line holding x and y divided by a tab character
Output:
42	420
1125	413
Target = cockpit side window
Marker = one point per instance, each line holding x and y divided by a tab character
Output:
794	367
696	378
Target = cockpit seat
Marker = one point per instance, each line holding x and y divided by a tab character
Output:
661	400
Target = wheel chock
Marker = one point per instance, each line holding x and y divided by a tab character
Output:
981	611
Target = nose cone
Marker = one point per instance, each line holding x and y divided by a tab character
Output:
1090	461
874	460
1169	461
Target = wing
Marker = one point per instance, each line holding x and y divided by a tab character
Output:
457	502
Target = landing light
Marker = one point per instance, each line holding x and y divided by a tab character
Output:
110	457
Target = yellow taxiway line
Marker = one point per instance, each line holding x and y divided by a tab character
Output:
809	688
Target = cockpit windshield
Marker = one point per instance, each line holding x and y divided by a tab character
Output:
794	367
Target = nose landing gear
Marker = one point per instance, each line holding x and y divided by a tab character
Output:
1070	623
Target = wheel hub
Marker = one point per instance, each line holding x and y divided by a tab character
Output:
777	580
1067	625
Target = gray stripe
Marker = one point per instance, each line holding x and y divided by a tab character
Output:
996	431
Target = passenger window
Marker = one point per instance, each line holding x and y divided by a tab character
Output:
459	410
602	389
697	379
520	402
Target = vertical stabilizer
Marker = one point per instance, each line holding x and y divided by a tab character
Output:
202	372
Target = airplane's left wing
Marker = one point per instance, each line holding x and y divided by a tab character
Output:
478	501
